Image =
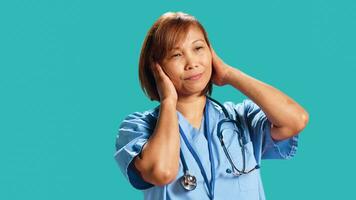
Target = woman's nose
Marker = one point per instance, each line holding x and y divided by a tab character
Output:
191	62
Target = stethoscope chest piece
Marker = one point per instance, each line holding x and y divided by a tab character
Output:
189	182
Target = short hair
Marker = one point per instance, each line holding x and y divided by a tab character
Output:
168	29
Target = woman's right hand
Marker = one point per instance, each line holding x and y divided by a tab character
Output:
165	87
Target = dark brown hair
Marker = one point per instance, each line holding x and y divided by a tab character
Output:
169	29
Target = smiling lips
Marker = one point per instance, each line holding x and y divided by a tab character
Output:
194	77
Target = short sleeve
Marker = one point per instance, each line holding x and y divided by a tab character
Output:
133	133
258	127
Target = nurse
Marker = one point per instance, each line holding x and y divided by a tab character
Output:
191	146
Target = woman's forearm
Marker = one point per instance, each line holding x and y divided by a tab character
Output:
282	111
159	159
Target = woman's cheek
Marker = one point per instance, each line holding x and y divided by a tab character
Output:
209	65
208	60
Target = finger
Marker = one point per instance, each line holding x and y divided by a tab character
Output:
213	52
160	71
155	71
215	57
159	68
211	48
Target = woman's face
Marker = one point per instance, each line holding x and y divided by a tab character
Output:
189	63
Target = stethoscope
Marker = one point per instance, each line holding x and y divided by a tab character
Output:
189	181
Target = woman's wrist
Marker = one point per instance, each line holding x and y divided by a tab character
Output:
228	73
169	102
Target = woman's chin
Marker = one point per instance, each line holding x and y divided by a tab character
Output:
197	91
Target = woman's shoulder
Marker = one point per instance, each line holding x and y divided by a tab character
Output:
143	118
134	129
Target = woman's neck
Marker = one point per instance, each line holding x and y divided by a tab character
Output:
192	108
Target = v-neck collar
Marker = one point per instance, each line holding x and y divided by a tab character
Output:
189	129
186	125
190	126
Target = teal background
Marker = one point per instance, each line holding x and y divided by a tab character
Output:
68	77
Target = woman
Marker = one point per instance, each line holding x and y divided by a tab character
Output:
191	146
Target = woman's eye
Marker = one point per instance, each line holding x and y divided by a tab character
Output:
176	55
198	48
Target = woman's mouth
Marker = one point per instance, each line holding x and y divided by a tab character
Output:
194	77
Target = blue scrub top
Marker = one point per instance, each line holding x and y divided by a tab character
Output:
137	128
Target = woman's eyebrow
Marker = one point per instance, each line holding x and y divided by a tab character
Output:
198	40
178	48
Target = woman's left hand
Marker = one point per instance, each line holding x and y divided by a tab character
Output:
220	69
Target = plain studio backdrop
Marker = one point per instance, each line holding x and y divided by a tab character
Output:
68	77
